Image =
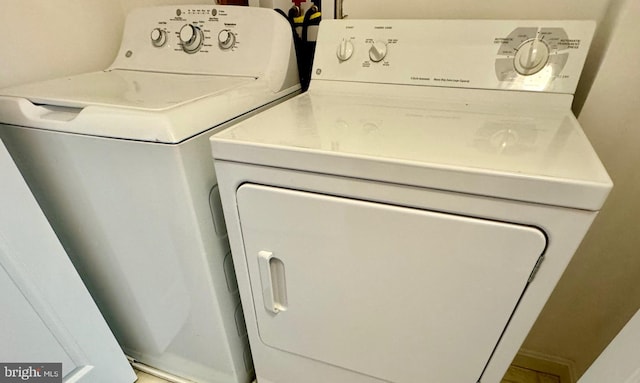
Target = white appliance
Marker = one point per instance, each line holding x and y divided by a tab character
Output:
119	161
406	219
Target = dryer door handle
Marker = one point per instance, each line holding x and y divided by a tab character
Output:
273	281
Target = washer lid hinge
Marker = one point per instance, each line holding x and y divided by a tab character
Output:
536	268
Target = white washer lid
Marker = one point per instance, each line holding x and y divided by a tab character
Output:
493	143
125	89
149	106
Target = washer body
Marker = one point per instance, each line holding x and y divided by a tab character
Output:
120	163
387	231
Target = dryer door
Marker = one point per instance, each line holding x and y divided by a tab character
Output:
400	294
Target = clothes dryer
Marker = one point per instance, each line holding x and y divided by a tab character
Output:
119	161
406	219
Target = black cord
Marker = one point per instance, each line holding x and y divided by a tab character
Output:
280	11
299	48
305	22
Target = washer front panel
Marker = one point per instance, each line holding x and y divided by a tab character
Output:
364	281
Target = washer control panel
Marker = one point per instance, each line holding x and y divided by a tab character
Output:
194	29
202	39
485	54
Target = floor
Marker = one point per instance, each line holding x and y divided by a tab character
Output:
143	377
517	374
523	370
530	369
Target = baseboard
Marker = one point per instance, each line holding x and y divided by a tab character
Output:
157	373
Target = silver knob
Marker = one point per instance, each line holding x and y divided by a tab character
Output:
531	57
226	39
378	51
158	37
345	50
191	38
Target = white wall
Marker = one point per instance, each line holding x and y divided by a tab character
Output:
600	290
46	39
128	5
474	9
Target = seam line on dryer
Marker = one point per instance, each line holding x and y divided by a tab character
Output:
408	185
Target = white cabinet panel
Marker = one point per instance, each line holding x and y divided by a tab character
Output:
27	329
47	314
350	282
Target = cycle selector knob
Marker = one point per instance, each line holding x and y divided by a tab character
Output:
191	37
226	39
345	50
158	37
531	57
378	51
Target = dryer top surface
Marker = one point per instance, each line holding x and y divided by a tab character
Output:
493	143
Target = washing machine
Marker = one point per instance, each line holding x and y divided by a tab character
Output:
407	218
119	161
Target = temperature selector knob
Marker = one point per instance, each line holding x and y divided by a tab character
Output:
158	37
531	57
191	38
378	51
345	50
226	39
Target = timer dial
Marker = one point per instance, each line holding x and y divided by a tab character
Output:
158	37
345	50
378	51
191	38
226	39
531	57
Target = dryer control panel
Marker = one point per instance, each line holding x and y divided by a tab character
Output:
204	39
525	55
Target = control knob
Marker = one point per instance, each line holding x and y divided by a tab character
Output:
531	57
345	50
226	39
191	38
158	37
378	51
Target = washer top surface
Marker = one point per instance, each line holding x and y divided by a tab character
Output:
452	139
136	105
180	71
